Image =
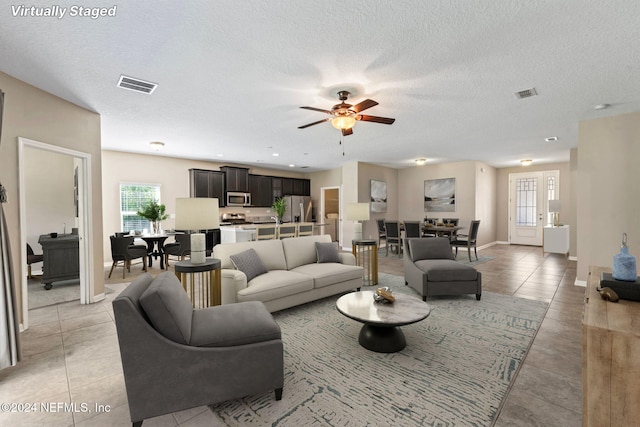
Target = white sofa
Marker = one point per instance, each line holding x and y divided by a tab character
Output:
294	276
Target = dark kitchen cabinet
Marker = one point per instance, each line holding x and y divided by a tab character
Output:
276	188
261	190
287	186
206	183
236	179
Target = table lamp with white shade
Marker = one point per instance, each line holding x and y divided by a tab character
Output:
554	208
358	212
196	214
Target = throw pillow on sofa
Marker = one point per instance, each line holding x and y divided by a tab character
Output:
327	252
249	263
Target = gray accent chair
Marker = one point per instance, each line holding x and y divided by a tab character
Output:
430	269
176	358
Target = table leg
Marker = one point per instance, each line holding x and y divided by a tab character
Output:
382	339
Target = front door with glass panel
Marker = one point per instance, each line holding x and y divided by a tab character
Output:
529	194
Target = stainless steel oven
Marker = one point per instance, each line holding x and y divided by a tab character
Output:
238	199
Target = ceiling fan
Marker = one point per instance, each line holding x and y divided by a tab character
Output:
343	116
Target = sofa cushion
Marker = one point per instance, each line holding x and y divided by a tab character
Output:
327	252
168	307
430	248
446	270
302	250
275	284
326	274
233	324
269	251
249	263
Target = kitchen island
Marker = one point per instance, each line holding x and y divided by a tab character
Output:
237	233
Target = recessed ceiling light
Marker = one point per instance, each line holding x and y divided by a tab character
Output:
275	154
292	165
157	145
551	139
526	162
220	155
421	161
602	106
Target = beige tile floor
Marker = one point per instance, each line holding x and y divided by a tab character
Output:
71	354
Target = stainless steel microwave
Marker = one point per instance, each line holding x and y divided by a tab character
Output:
238	199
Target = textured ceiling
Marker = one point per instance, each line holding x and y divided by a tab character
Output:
232	75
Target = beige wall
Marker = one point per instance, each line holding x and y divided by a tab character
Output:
471	184
37	115
486	202
608	194
502	212
173	176
367	172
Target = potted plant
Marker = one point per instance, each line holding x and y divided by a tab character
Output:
154	213
279	206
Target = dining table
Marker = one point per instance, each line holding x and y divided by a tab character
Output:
441	230
155	243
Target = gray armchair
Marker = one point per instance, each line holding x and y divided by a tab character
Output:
429	268
176	358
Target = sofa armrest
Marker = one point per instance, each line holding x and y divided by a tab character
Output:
232	282
347	258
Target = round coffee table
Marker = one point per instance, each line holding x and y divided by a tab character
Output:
381	330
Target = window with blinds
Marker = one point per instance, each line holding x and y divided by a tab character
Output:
132	198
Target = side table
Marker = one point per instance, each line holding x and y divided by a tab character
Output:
207	292
366	253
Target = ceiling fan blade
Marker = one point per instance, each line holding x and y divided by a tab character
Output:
314	123
376	119
367	103
317	109
347	132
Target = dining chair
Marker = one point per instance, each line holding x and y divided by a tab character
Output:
305	229
393	236
411	229
467	240
180	248
287	230
382	232
427	223
32	258
123	250
266	231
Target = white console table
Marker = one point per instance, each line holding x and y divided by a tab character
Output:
556	239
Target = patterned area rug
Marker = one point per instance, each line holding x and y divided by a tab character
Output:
455	370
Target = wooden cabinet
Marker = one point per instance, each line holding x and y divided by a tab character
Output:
260	189
236	179
276	188
206	183
61	258
556	239
610	359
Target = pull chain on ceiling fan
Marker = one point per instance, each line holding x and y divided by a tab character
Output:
343	116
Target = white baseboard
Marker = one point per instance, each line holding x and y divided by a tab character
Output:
502	242
99	297
582	283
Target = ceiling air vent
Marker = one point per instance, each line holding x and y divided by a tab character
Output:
137	85
527	93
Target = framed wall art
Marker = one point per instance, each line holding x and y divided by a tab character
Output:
440	195
378	196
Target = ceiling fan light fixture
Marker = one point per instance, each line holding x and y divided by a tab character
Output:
343	122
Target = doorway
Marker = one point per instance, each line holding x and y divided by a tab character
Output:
330	212
80	197
529	195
